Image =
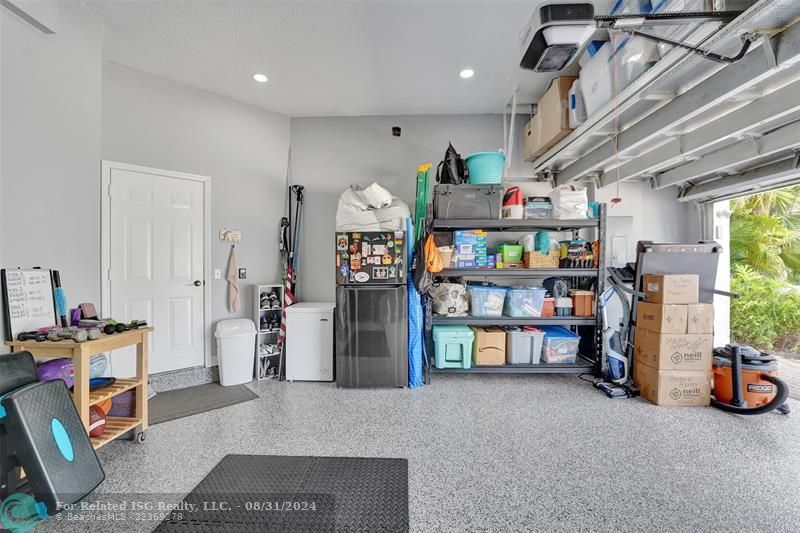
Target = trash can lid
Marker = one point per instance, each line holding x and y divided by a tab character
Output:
234	327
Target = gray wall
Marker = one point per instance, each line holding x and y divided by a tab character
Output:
330	154
646	214
157	123
50	199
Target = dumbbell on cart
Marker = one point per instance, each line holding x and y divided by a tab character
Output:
37	336
74	333
113	326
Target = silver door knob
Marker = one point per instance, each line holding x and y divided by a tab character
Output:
197	283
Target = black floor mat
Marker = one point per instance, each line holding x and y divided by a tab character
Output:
266	493
178	403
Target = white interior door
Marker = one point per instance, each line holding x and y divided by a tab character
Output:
156	266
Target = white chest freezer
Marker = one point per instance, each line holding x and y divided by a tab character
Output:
309	341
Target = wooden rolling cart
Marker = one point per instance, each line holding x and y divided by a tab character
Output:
80	353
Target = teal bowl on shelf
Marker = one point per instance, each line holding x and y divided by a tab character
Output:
486	168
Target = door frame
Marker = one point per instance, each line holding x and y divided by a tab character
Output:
105	237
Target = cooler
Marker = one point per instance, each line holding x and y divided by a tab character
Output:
452	346
467	201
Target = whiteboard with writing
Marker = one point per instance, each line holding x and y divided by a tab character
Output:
28	302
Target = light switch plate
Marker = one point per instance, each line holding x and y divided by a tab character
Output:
217	273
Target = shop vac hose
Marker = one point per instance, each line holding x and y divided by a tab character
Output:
780	398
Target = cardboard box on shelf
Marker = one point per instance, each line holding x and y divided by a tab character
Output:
551	122
489	346
662	318
700	318
672	288
673	387
582	302
673	351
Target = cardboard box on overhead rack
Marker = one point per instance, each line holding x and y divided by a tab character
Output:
551	122
662	318
671	288
700	318
673	387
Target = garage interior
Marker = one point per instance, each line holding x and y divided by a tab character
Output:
358	265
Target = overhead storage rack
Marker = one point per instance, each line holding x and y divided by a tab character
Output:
713	130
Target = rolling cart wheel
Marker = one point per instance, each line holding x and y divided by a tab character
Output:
140	436
784	409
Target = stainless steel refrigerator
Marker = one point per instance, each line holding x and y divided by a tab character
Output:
371	310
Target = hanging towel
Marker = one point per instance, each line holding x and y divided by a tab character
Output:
233	282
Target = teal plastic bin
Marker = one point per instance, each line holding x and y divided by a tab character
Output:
452	346
486	168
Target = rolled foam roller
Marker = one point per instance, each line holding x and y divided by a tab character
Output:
60	298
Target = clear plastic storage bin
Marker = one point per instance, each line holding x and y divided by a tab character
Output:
524	302
560	345
538	208
486	301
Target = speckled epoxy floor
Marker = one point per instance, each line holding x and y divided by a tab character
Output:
499	453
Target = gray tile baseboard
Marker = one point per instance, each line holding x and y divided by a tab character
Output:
180	379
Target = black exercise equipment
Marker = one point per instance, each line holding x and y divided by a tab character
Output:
41	432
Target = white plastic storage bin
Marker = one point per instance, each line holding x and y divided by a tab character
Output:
577	110
676	32
591	50
524	345
309	341
633	57
597	80
236	341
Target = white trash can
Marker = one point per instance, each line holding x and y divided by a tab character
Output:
236	343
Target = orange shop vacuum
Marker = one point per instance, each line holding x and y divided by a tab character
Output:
746	382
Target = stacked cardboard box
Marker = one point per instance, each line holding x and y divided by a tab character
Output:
674	342
470	249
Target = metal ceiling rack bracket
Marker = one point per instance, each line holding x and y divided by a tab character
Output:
665	19
747	40
632	24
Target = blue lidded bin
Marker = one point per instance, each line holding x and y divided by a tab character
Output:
560	345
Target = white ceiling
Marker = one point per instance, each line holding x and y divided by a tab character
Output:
328	58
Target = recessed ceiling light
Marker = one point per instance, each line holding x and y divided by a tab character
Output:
260	78
467	73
